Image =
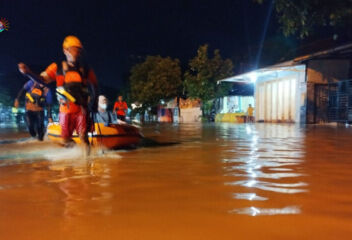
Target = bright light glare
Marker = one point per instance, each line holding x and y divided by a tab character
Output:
251	183
253	76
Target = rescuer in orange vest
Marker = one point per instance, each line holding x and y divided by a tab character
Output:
37	96
120	107
76	87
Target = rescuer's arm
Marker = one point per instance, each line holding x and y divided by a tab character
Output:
41	79
26	87
20	93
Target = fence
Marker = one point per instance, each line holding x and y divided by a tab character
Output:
340	101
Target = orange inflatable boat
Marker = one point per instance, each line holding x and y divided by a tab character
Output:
112	136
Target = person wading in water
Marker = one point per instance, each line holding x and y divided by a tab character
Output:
37	97
77	87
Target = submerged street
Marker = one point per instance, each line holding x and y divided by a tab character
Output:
176	120
187	181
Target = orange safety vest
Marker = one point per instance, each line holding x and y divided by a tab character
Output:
74	80
36	99
36	96
120	108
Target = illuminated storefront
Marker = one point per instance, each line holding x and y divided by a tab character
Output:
297	90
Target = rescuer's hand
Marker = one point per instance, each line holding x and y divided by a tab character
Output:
23	68
16	103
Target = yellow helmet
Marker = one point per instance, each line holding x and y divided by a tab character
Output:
71	41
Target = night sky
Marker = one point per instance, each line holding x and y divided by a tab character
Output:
114	34
117	35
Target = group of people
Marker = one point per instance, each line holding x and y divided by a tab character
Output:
118	115
77	91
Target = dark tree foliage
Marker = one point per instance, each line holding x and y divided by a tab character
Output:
302	17
154	79
203	74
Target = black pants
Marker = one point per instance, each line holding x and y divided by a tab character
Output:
121	117
35	123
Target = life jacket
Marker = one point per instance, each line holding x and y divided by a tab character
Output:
120	110
74	81
36	95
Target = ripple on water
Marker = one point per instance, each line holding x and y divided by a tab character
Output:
254	211
268	163
249	196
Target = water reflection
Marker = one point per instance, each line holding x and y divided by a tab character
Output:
270	186
77	182
249	196
216	177
267	159
253	211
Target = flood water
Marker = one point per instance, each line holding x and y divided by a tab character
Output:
210	181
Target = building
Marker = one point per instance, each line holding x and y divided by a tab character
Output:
179	110
233	108
190	110
300	90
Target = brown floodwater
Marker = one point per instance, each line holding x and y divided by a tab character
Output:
191	181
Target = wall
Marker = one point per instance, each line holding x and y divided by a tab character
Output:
188	115
327	71
281	97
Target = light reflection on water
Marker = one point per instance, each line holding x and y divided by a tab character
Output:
268	161
249	196
253	211
256	162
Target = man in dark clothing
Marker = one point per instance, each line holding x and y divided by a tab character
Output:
37	96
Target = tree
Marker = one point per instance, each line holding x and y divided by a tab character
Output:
221	69
154	79
303	16
203	74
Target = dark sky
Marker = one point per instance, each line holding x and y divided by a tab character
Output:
113	32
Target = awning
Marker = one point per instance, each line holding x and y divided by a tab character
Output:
291	65
252	76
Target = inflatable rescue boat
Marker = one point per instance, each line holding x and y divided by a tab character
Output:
112	136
